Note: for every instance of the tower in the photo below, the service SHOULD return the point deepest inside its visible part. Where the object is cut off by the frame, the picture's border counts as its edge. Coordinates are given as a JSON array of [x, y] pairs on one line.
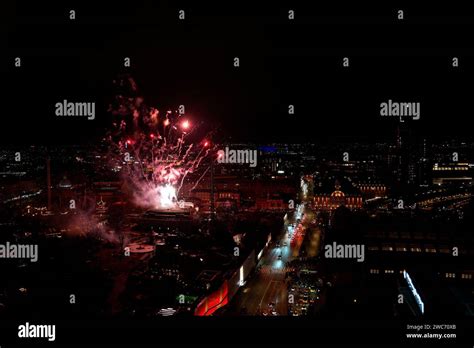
[[48, 181]]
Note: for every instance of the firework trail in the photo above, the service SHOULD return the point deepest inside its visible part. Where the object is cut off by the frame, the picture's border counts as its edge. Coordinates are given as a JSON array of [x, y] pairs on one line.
[[152, 148]]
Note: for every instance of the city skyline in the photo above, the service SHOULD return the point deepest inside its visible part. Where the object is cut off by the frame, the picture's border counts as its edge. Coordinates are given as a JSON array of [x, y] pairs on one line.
[[275, 173]]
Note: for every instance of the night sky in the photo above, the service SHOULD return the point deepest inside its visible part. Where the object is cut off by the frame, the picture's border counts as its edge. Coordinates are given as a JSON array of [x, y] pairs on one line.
[[282, 62]]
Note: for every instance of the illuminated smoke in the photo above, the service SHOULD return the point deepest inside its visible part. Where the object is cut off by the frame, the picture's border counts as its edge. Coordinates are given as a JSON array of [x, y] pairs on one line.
[[167, 196], [86, 224]]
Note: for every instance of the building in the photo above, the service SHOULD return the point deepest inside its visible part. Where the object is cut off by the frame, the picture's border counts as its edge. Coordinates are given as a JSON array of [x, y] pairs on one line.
[[452, 173], [351, 199]]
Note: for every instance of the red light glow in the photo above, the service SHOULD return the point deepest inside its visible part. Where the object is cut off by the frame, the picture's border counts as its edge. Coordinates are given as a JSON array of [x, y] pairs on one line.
[[185, 124]]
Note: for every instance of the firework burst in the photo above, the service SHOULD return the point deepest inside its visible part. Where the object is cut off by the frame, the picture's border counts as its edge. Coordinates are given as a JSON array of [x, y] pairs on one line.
[[153, 148]]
